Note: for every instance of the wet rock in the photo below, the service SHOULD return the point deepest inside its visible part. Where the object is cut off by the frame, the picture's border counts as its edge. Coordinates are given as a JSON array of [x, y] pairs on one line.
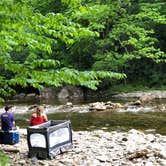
[[98, 106], [137, 103], [118, 105], [102, 106], [146, 98], [69, 104], [32, 107]]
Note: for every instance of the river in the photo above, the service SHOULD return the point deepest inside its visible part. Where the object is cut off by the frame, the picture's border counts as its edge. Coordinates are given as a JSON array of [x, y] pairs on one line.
[[109, 121]]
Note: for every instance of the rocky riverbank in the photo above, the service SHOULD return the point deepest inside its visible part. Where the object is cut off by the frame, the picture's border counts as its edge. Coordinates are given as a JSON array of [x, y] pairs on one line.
[[152, 101], [156, 94], [134, 106], [98, 148]]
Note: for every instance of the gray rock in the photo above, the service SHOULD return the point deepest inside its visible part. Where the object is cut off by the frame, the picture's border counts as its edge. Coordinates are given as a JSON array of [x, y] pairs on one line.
[[98, 148]]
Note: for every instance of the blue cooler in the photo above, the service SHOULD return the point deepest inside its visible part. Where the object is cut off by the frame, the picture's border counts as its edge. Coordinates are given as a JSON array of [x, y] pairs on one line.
[[9, 137]]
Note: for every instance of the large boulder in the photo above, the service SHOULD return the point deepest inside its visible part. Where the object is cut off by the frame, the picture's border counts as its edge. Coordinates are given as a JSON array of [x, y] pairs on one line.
[[71, 92], [47, 93]]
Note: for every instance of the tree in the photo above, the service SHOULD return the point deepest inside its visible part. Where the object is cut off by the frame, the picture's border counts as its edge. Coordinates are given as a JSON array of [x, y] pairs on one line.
[[27, 38], [127, 33]]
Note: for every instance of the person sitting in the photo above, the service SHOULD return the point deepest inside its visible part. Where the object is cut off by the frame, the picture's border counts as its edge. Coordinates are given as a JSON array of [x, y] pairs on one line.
[[39, 117], [7, 119]]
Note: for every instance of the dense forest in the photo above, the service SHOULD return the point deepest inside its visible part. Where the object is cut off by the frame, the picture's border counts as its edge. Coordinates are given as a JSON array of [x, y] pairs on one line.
[[88, 43]]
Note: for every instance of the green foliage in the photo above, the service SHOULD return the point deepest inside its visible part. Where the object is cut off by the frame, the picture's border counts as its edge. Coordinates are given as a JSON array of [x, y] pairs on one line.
[[95, 17], [148, 73], [48, 43], [127, 32], [27, 41], [72, 3], [124, 35], [4, 159]]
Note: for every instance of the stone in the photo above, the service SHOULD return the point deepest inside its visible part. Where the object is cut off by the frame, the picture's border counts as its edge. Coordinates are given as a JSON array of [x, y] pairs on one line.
[[23, 162], [146, 98], [150, 131], [98, 148]]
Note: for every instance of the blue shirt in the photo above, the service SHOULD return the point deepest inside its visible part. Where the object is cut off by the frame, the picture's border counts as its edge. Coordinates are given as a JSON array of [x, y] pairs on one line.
[[7, 121]]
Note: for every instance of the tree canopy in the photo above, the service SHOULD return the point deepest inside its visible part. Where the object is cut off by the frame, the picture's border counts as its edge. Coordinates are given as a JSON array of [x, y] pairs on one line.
[[52, 43]]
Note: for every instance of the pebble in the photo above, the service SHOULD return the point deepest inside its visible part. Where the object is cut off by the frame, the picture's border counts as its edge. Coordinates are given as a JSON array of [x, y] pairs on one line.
[[100, 148]]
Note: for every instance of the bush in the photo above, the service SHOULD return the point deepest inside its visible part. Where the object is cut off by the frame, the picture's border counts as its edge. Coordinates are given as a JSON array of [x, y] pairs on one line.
[[4, 159]]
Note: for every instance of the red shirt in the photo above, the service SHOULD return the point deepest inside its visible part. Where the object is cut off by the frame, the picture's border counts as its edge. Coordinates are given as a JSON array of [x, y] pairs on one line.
[[37, 120]]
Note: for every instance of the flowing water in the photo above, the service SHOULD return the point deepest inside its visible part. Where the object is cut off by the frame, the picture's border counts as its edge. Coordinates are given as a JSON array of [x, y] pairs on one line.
[[108, 120], [121, 121]]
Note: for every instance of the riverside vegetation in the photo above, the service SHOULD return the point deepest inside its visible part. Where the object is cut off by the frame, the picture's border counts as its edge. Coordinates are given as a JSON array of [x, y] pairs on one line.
[[92, 44]]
